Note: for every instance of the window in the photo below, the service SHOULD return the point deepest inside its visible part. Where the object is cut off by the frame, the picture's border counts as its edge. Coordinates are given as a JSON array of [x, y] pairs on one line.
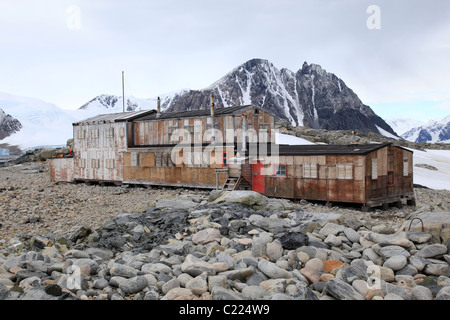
[[405, 167], [81, 134], [110, 163], [310, 170], [225, 160], [110, 132], [94, 134], [374, 169], [95, 163], [135, 159], [390, 178], [344, 171], [82, 163], [280, 170]]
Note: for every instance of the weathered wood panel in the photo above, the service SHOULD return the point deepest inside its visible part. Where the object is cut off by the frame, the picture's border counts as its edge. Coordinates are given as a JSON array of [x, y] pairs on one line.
[[61, 169]]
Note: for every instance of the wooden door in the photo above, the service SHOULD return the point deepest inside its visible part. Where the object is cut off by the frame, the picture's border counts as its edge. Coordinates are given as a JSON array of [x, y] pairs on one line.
[[258, 177]]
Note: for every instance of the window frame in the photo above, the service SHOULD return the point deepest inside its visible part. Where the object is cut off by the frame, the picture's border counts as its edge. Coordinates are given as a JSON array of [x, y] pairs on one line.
[[279, 166], [225, 159]]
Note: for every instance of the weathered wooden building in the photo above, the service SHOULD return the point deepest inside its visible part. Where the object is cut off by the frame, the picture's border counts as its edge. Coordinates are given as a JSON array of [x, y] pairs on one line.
[[371, 175], [232, 148]]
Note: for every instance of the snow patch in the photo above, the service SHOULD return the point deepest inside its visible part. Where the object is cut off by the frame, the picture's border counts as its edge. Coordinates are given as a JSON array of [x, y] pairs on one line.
[[439, 159], [387, 134], [281, 138]]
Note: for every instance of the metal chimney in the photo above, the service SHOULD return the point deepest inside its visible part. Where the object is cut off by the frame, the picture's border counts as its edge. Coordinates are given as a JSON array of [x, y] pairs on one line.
[[213, 113], [158, 107]]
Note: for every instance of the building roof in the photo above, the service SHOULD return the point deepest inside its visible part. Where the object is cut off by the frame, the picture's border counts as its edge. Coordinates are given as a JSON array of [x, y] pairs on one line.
[[322, 149], [195, 113], [115, 117], [314, 150]]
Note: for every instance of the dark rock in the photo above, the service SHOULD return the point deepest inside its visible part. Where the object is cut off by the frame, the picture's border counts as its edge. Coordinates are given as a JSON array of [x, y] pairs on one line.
[[54, 290], [342, 291], [294, 240]]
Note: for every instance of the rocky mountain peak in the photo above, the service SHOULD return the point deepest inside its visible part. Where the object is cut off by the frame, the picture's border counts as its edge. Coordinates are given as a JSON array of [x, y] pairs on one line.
[[8, 125], [310, 97]]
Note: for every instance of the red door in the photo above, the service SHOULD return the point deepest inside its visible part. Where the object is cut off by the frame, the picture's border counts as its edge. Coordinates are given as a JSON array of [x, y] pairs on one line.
[[258, 177]]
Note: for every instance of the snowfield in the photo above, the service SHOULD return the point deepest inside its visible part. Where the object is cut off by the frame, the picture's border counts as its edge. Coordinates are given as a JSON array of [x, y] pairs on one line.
[[439, 159]]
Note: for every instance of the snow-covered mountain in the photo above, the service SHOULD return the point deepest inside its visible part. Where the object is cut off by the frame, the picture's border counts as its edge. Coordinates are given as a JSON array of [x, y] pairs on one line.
[[106, 103], [403, 125], [309, 97], [433, 131], [42, 123], [8, 125]]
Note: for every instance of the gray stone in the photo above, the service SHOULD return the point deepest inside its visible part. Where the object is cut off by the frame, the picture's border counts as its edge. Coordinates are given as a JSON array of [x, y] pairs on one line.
[[259, 245], [418, 237], [272, 270], [238, 274], [431, 251], [133, 285], [396, 262], [122, 270], [443, 294], [418, 262], [115, 281], [438, 269], [4, 293], [281, 297], [217, 281], [315, 264], [100, 283], [37, 294], [396, 239], [392, 296], [390, 251], [305, 293], [332, 241], [274, 225], [422, 293], [225, 257], [404, 293], [198, 285], [370, 254], [220, 293], [256, 293], [342, 291], [206, 236], [156, 268], [357, 270], [246, 198], [331, 228], [352, 235], [274, 251], [169, 285], [195, 266], [274, 285]]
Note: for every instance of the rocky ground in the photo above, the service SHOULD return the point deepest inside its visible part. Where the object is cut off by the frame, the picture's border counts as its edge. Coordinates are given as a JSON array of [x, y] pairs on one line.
[[77, 241]]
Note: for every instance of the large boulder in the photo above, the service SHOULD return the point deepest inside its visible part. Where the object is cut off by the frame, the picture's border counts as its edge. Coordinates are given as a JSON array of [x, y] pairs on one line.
[[245, 197]]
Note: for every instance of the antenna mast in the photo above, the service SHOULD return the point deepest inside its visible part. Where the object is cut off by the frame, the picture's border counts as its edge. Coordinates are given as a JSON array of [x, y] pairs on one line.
[[123, 91]]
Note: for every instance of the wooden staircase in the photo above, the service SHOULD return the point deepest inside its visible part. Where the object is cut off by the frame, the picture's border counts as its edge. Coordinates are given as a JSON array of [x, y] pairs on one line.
[[231, 183]]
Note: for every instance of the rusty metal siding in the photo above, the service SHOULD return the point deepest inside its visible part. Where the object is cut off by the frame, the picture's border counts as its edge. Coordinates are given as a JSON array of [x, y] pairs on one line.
[[98, 150], [159, 131]]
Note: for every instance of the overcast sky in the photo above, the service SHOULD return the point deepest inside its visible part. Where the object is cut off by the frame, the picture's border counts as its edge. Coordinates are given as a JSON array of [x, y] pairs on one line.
[[397, 59]]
